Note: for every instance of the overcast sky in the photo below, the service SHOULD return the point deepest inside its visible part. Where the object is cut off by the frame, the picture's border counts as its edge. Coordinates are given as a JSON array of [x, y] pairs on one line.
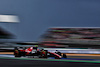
[[36, 16]]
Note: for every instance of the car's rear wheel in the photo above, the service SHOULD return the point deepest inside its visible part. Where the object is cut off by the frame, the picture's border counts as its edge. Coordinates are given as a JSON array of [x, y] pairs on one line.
[[17, 53]]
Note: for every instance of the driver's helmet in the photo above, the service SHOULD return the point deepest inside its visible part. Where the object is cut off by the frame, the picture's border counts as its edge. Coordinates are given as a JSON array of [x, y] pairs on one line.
[[57, 51], [36, 45]]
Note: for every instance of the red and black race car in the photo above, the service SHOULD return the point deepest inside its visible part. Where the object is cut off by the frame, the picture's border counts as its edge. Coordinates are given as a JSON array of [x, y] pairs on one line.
[[35, 51]]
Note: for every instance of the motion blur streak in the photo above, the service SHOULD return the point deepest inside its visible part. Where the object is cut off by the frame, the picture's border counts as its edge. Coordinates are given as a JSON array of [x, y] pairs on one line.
[[9, 18]]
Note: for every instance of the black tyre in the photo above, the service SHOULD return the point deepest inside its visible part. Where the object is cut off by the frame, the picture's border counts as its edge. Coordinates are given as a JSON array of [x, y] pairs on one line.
[[64, 56], [46, 54], [17, 53]]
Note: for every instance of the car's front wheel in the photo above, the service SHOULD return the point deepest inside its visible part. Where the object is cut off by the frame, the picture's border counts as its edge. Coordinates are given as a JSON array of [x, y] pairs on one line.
[[64, 56]]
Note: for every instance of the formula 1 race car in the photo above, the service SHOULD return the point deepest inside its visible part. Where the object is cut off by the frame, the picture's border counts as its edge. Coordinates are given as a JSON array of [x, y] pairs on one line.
[[35, 51]]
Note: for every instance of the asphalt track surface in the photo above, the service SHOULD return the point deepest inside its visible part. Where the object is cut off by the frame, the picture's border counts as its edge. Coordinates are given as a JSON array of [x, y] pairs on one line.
[[42, 63], [10, 61], [73, 60]]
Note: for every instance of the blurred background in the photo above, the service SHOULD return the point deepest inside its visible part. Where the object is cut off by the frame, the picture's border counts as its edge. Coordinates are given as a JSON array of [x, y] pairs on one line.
[[36, 16]]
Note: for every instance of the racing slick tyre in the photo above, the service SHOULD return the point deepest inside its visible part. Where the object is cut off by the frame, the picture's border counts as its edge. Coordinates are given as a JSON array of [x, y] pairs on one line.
[[64, 56], [17, 53], [45, 54]]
